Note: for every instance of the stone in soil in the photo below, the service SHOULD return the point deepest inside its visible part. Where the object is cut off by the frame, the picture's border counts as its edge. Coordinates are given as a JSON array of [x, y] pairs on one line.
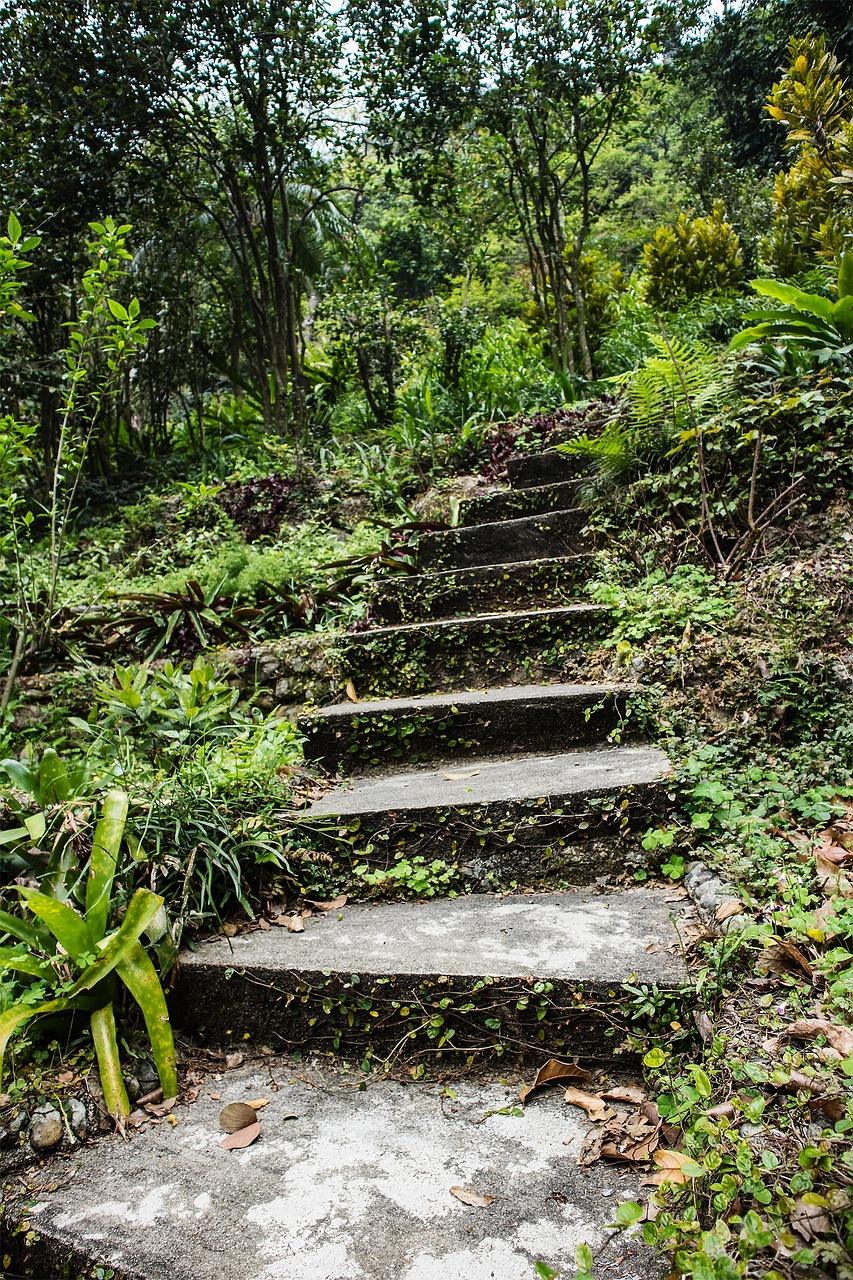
[[349, 1180]]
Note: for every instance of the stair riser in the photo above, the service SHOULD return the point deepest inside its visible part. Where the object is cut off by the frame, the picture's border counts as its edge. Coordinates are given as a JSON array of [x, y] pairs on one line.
[[487, 588], [555, 842], [361, 741], [534, 469], [407, 1019], [532, 538], [499, 651], [519, 502]]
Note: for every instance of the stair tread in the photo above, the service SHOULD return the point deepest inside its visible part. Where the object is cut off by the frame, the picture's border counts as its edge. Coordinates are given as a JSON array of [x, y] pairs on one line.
[[489, 779], [343, 1182], [481, 570], [437, 624], [576, 935], [470, 697]]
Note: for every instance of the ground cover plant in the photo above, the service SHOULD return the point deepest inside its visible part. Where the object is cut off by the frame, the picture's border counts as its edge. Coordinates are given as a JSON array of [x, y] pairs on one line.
[[254, 346]]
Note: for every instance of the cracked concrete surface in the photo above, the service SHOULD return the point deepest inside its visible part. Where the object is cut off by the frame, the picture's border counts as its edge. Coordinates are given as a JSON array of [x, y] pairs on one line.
[[348, 1181]]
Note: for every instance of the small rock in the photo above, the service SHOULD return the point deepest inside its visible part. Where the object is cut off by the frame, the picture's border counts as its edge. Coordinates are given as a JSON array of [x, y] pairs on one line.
[[77, 1118], [132, 1085], [46, 1128], [8, 1139], [737, 924], [146, 1074]]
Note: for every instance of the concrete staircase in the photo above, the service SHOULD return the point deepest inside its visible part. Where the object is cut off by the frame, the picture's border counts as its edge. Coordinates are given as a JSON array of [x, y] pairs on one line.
[[454, 756], [480, 757]]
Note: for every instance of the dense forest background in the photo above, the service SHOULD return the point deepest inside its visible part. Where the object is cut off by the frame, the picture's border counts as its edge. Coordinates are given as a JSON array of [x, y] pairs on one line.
[[412, 217]]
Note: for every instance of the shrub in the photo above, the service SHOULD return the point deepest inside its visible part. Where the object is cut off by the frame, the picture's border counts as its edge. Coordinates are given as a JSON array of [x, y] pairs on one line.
[[692, 256]]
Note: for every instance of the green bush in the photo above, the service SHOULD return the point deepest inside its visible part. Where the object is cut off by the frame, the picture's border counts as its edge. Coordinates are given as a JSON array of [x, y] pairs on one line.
[[692, 256]]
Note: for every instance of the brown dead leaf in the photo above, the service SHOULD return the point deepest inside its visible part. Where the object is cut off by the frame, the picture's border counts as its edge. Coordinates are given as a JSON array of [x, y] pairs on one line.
[[334, 905], [160, 1108], [626, 1093], [590, 1103], [809, 1220], [235, 1116], [293, 924], [461, 777], [783, 958], [840, 1038], [721, 1110], [232, 1060], [473, 1198], [229, 929], [264, 924], [832, 879], [351, 693], [242, 1138], [555, 1072], [65, 1077], [257, 1103], [669, 1169], [630, 1137], [704, 1026], [731, 907]]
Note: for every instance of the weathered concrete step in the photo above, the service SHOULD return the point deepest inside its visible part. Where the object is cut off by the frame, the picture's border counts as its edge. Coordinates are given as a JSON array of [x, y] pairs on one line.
[[532, 821], [460, 968], [454, 592], [529, 470], [510, 504], [486, 780], [534, 646], [353, 737], [537, 537], [342, 1182]]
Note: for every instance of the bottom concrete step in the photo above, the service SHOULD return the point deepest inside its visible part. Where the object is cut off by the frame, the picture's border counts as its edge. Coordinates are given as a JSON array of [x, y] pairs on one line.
[[344, 1182], [476, 975]]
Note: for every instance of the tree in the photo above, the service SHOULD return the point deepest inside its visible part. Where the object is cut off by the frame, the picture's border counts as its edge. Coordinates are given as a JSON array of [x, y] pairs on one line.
[[547, 83], [252, 118]]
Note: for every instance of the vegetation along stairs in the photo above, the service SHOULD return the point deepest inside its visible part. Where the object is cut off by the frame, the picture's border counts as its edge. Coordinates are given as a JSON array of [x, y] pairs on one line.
[[478, 770]]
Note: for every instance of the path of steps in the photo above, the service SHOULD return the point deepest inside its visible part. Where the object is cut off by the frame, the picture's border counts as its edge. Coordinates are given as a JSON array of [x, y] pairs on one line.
[[476, 743]]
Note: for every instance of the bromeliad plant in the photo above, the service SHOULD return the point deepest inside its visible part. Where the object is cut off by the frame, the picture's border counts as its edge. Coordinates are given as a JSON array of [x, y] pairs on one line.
[[76, 957]]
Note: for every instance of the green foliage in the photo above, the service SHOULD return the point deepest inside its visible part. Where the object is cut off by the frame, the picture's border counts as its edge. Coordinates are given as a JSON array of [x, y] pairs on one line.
[[690, 257], [76, 948], [414, 877], [811, 324]]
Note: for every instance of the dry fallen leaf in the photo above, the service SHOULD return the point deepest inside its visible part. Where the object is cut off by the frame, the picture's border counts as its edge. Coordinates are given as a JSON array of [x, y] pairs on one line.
[[630, 1137], [840, 1038], [351, 693], [257, 1103], [232, 1060], [461, 777], [472, 1197], [626, 1093], [731, 907], [590, 1103], [809, 1220], [783, 958], [235, 1116], [669, 1168], [242, 1138], [229, 929], [704, 1026], [160, 1108], [554, 1072], [293, 924], [334, 905]]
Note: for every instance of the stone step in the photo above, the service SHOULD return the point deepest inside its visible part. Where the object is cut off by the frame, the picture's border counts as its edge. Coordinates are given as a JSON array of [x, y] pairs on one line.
[[567, 818], [510, 504], [537, 537], [455, 592], [533, 646], [345, 1180], [529, 470], [475, 974], [352, 737]]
